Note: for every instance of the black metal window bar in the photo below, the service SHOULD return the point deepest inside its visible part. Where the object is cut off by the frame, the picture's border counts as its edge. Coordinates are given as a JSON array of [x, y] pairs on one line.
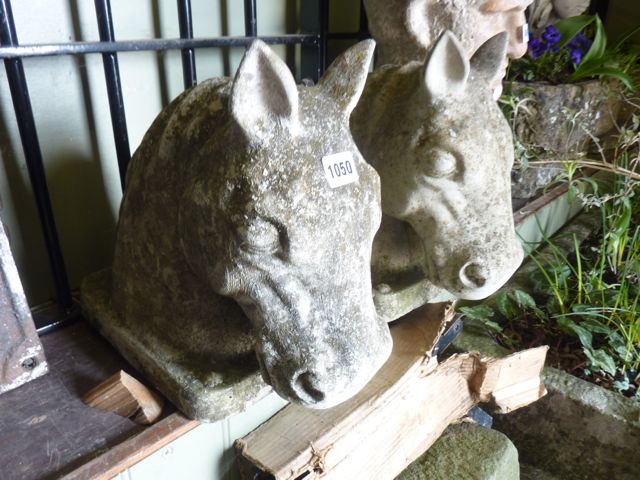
[[12, 53]]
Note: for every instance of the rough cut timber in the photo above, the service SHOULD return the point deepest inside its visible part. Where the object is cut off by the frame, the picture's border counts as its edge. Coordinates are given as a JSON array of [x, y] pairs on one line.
[[21, 355], [398, 415], [126, 396]]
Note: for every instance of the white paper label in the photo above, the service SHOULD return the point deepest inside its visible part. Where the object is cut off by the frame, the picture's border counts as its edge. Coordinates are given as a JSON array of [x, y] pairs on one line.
[[524, 33], [340, 169]]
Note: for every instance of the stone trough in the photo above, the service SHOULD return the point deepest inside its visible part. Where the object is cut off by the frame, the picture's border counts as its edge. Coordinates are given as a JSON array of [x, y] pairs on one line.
[[578, 430]]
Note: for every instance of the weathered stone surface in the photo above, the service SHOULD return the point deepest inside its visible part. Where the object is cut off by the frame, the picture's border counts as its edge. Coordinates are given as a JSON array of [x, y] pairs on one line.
[[406, 30], [21, 355], [467, 451], [444, 153], [201, 387], [527, 472], [559, 122], [235, 238], [578, 431], [547, 12], [525, 183], [561, 118]]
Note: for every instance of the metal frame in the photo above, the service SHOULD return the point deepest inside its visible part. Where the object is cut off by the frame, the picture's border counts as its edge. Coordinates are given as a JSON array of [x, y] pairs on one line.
[[12, 53]]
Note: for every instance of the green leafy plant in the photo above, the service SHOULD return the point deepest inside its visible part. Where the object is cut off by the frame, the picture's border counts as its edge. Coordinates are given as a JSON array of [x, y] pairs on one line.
[[585, 304], [575, 49]]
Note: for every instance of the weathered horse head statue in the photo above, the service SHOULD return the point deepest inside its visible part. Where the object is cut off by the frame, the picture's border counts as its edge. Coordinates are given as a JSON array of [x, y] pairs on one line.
[[252, 193], [444, 153], [407, 30]]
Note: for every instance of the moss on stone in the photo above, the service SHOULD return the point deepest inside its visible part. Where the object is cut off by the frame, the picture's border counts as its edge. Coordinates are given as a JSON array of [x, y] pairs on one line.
[[467, 451]]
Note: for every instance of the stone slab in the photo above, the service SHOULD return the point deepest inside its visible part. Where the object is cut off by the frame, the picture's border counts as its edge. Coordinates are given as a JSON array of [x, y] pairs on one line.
[[204, 392], [467, 451]]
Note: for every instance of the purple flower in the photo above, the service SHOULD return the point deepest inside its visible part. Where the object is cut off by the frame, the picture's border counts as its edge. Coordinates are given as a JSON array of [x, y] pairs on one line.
[[576, 56], [537, 48], [551, 35], [583, 42], [578, 46]]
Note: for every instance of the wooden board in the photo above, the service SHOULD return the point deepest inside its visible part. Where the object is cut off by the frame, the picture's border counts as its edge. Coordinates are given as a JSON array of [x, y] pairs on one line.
[[137, 448], [397, 416], [126, 396], [46, 430], [21, 355]]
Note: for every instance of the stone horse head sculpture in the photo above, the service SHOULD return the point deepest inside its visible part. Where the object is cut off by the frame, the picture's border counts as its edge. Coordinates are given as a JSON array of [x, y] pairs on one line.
[[247, 225], [444, 153], [407, 30]]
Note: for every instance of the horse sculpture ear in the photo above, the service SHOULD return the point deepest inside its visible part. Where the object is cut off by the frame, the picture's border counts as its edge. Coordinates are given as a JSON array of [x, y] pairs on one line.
[[345, 78], [490, 59], [446, 69], [264, 95]]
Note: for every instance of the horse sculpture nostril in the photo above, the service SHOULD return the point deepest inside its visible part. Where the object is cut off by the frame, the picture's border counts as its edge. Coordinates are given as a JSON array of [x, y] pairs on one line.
[[305, 386], [473, 275]]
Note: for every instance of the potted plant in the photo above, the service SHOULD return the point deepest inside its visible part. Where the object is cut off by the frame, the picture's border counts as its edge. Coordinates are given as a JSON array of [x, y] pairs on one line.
[[563, 94], [580, 295], [583, 297]]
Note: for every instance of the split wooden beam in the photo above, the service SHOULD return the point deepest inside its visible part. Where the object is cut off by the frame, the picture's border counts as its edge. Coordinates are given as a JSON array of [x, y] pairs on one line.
[[124, 395], [397, 416]]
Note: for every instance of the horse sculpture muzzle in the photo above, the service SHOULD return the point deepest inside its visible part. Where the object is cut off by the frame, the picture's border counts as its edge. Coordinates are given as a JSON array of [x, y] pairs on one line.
[[330, 348]]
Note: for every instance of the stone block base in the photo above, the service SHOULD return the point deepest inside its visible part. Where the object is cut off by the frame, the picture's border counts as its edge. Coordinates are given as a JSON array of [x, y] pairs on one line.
[[203, 392]]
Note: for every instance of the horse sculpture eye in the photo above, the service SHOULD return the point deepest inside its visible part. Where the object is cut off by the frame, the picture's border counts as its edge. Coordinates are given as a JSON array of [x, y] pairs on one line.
[[440, 163], [260, 236]]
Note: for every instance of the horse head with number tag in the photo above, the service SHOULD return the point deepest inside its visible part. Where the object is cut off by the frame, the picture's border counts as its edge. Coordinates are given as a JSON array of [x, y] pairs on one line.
[[253, 190], [444, 153]]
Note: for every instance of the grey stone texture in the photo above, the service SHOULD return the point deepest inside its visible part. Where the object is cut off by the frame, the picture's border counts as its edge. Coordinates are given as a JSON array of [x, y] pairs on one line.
[[21, 356], [407, 30], [232, 244], [444, 152], [560, 122], [466, 451], [562, 118], [548, 12], [527, 472], [525, 183], [578, 431]]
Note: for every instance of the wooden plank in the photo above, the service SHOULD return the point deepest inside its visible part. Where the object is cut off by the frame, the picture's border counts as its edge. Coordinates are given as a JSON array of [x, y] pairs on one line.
[[124, 395], [397, 416], [45, 429], [21, 355], [135, 449], [513, 382]]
